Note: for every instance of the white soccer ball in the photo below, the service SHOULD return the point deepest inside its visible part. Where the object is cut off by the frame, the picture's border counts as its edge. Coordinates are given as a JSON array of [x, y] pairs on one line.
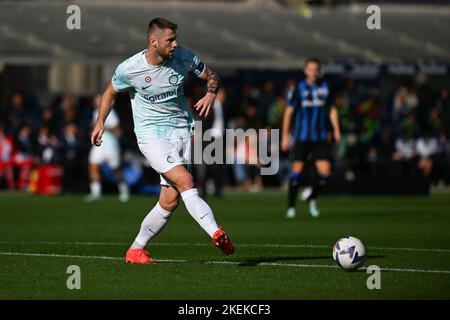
[[349, 253]]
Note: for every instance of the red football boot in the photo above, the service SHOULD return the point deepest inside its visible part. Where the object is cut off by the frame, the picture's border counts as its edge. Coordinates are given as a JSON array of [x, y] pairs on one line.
[[138, 256], [221, 240]]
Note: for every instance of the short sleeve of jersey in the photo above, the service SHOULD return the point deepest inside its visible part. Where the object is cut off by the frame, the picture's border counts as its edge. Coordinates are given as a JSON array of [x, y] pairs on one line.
[[191, 61], [112, 120], [293, 98], [119, 80]]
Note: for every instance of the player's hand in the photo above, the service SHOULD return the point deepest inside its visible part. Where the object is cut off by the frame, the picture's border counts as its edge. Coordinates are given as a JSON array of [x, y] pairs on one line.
[[97, 133], [204, 104], [285, 144], [336, 136]]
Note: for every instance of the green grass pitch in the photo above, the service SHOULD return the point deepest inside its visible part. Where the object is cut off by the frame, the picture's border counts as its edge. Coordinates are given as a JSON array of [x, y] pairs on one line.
[[275, 258]]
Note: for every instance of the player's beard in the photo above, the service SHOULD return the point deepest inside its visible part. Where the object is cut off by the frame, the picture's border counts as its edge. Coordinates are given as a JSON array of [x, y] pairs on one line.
[[170, 55], [166, 55]]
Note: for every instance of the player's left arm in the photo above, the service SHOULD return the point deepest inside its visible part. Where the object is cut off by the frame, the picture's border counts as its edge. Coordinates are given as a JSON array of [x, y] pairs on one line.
[[205, 103], [334, 119]]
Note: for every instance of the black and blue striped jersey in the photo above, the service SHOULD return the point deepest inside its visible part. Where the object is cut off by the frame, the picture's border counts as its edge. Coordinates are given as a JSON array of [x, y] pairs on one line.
[[312, 105]]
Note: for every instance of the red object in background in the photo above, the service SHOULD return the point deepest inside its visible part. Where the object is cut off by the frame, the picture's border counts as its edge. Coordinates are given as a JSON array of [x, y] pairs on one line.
[[49, 179]]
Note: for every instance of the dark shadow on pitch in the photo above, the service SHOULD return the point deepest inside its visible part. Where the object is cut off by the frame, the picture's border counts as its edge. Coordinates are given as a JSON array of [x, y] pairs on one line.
[[256, 261]]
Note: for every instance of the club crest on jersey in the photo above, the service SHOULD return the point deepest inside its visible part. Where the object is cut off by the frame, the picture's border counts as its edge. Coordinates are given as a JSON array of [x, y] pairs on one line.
[[170, 159], [173, 79], [148, 79]]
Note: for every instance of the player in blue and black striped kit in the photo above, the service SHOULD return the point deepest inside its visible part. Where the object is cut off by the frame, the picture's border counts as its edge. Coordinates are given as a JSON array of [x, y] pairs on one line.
[[316, 125]]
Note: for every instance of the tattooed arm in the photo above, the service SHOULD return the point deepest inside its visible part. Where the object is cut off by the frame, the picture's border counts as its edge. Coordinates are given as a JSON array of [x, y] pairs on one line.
[[213, 80], [205, 103]]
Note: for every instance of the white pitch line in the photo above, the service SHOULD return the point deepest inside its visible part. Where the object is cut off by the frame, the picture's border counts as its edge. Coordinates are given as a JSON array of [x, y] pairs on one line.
[[412, 270], [174, 244], [54, 255], [268, 264]]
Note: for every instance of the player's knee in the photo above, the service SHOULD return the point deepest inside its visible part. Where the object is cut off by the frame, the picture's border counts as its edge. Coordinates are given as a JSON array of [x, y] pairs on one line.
[[169, 204], [185, 182]]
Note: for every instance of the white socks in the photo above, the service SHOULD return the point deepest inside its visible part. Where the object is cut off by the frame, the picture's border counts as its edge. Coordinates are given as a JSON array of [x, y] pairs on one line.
[[96, 188], [153, 223], [200, 211], [123, 188], [157, 218]]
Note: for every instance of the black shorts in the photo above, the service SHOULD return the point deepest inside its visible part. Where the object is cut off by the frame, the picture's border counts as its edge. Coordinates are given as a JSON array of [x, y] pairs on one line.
[[306, 150]]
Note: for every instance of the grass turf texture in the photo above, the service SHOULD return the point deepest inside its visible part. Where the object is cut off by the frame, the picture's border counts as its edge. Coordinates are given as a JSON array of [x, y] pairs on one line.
[[67, 226]]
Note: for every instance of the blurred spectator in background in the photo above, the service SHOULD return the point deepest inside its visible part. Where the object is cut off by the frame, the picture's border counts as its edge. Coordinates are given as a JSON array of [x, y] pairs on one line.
[[409, 126], [210, 177], [70, 156], [6, 157], [16, 113], [349, 137], [244, 152], [70, 115], [274, 121], [368, 115], [435, 125], [249, 96], [46, 147], [252, 118], [405, 101], [214, 173], [352, 93], [380, 153], [429, 150], [48, 119], [405, 155], [443, 107], [275, 112], [23, 157], [267, 99]]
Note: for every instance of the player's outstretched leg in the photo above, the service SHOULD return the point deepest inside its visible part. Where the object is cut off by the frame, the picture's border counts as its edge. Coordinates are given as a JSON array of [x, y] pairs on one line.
[[294, 186], [152, 224], [323, 170], [198, 208], [306, 193]]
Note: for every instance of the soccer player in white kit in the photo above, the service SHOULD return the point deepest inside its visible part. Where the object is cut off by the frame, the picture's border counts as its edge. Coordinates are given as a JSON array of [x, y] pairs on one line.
[[163, 126], [108, 153]]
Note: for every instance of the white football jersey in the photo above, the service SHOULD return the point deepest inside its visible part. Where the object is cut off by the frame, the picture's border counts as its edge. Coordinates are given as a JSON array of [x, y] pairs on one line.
[[156, 92]]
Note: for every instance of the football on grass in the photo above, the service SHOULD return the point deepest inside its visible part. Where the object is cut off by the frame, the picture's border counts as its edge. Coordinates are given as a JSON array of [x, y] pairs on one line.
[[349, 253]]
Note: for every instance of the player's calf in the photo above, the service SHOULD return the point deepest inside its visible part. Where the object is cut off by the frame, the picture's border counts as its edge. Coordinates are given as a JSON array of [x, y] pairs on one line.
[[169, 204], [152, 224]]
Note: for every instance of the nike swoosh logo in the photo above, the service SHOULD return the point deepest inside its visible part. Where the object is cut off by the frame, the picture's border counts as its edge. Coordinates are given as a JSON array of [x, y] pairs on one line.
[[143, 88], [203, 216]]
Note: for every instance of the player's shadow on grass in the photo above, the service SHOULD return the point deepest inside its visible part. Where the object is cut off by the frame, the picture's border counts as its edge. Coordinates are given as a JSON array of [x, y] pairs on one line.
[[256, 261]]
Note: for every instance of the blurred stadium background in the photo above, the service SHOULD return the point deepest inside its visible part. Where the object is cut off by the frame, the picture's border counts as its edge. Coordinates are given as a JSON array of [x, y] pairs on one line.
[[391, 87]]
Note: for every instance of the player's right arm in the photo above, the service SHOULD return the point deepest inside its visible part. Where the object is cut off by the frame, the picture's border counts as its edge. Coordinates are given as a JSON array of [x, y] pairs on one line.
[[119, 82], [286, 128], [106, 104], [292, 101]]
